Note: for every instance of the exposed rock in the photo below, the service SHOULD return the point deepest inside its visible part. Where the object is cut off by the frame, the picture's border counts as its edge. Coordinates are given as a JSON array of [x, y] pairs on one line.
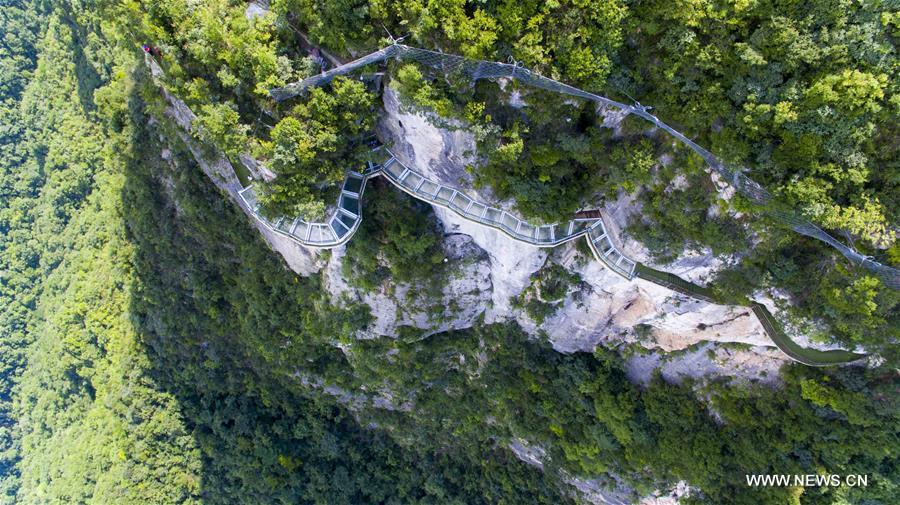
[[464, 297], [759, 364], [606, 309], [302, 260], [694, 266], [515, 99], [511, 262], [594, 492], [532, 454], [798, 331], [612, 117], [609, 490], [672, 497], [256, 8], [440, 154], [257, 170]]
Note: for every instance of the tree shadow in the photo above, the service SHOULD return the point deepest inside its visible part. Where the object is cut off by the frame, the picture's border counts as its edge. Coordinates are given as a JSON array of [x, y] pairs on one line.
[[87, 77]]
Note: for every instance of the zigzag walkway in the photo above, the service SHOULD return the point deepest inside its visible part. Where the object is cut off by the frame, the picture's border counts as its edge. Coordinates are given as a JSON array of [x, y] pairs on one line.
[[343, 222]]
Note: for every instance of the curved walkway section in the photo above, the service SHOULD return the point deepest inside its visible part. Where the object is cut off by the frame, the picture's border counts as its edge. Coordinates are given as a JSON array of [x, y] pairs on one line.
[[336, 230], [805, 355], [548, 235], [345, 219]]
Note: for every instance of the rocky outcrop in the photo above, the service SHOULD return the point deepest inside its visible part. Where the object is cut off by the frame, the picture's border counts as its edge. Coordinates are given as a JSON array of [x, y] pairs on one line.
[[464, 295], [490, 269], [219, 170], [440, 154], [757, 364], [607, 491], [610, 310], [604, 309], [797, 329], [511, 263], [694, 266], [256, 8]]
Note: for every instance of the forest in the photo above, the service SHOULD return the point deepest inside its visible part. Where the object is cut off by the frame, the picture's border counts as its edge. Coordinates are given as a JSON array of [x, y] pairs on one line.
[[815, 124], [154, 350]]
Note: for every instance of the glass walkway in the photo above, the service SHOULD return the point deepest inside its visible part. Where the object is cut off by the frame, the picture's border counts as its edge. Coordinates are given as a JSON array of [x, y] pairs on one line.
[[344, 220], [548, 235], [337, 229]]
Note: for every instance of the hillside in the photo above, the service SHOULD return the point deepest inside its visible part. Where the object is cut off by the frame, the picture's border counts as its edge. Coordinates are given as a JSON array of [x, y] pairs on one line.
[[161, 344]]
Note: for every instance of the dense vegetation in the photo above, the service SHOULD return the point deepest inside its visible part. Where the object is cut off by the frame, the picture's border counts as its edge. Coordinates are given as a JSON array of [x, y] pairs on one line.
[[155, 351], [801, 94], [164, 346], [313, 146], [399, 241], [593, 420]]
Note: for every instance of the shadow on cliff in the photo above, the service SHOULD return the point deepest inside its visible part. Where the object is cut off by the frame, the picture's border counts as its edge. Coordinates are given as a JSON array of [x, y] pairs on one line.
[[227, 327], [231, 332]]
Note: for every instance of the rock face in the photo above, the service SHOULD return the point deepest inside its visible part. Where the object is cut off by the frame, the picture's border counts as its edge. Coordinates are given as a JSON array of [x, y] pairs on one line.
[[489, 268], [604, 309], [608, 309], [440, 154], [511, 263], [609, 491], [759, 364], [697, 267], [302, 260], [464, 296], [798, 331]]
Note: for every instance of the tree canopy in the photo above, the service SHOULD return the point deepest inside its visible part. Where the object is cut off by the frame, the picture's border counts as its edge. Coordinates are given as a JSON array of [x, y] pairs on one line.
[[154, 350]]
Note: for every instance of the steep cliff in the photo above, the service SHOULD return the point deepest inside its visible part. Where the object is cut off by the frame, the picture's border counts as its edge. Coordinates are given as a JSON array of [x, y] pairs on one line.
[[220, 171], [601, 309]]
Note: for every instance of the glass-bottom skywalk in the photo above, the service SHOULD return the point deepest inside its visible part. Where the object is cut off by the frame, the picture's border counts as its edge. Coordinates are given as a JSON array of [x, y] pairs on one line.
[[340, 226], [547, 235], [336, 230]]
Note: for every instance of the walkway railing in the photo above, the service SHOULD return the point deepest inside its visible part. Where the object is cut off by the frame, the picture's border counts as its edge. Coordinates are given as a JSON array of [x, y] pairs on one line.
[[602, 246], [336, 230], [676, 283], [479, 69], [811, 357], [548, 235], [345, 220]]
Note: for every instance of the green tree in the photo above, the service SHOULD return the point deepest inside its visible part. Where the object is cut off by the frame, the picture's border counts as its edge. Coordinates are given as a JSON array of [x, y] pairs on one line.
[[416, 91], [219, 125], [311, 149]]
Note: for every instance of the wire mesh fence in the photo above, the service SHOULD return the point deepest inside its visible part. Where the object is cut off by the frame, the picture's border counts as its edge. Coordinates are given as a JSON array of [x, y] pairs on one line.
[[296, 88], [344, 222], [478, 69]]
